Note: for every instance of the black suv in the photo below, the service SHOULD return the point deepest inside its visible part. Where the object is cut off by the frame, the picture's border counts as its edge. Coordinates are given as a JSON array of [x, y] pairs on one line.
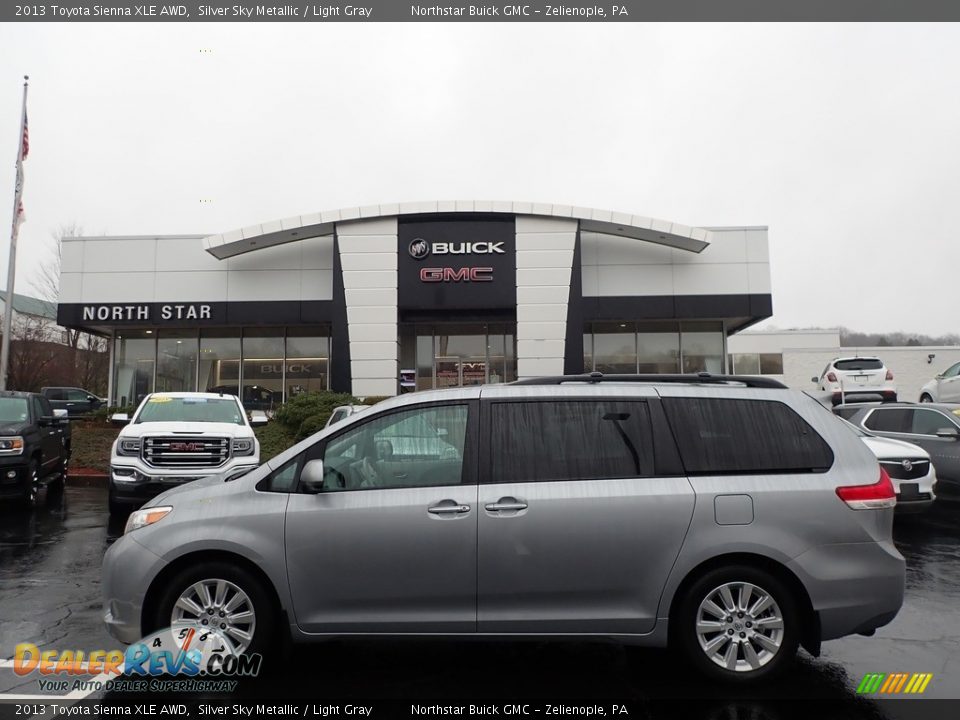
[[34, 446], [76, 401]]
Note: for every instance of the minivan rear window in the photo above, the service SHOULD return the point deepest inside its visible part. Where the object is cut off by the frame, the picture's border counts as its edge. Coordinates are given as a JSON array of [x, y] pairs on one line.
[[725, 435], [859, 364]]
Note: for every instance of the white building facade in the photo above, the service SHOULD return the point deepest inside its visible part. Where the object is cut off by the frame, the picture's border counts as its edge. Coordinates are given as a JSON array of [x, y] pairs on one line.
[[394, 298]]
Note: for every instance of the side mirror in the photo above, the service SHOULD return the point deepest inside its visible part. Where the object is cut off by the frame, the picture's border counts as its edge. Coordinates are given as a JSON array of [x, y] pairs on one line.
[[948, 433], [91, 398], [59, 413], [119, 419], [311, 477]]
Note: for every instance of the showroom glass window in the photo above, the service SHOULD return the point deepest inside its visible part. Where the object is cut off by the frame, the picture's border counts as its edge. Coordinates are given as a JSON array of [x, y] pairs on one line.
[[220, 361], [659, 347], [615, 347], [262, 376], [307, 361], [176, 361], [701, 345], [135, 353], [570, 440], [727, 435], [421, 447]]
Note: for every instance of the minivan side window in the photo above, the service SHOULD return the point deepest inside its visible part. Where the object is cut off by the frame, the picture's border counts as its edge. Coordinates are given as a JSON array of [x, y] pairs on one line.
[[420, 447], [728, 435], [569, 440]]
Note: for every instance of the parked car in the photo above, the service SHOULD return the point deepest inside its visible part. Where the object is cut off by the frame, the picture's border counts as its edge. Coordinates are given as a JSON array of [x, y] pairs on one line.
[[76, 401], [729, 517], [175, 438], [913, 475], [857, 378], [933, 426], [945, 387], [34, 446], [255, 397], [343, 412]]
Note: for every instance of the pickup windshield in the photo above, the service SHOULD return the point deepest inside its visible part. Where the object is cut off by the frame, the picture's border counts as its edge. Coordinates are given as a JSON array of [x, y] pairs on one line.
[[162, 408], [13, 409]]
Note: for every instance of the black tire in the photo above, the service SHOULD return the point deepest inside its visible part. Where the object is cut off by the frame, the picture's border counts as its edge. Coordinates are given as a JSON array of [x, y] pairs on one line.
[[265, 614], [117, 509], [925, 398], [688, 640], [32, 493]]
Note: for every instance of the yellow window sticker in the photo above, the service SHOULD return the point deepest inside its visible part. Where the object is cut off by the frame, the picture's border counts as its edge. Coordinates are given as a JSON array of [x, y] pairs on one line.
[[160, 399]]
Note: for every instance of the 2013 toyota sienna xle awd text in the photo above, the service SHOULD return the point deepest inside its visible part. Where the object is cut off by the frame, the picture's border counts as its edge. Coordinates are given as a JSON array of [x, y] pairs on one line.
[[731, 518]]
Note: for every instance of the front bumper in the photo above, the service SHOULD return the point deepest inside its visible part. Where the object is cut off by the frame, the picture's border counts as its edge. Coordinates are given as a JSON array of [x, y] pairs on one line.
[[853, 587], [14, 474], [128, 570]]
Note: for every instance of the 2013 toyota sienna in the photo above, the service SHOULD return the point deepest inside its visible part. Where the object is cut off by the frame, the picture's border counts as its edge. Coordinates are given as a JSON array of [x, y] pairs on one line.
[[728, 517]]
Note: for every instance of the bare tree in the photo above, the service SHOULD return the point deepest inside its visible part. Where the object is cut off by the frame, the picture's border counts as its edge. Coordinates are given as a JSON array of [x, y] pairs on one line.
[[47, 282]]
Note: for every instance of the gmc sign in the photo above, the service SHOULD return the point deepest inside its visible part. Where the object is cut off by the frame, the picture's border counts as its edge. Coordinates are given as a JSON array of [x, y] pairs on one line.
[[448, 274]]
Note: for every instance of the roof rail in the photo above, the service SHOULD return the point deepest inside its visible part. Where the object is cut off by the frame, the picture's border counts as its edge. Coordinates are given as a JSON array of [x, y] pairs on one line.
[[691, 378]]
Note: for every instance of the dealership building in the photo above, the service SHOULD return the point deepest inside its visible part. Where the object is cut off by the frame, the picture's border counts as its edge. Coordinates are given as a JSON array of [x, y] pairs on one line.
[[394, 298]]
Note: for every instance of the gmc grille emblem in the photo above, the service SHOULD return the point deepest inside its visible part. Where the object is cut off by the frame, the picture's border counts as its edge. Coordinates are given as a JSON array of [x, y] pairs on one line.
[[186, 447]]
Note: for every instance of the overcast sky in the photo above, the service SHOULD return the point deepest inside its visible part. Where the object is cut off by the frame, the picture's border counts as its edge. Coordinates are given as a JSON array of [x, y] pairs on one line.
[[843, 139]]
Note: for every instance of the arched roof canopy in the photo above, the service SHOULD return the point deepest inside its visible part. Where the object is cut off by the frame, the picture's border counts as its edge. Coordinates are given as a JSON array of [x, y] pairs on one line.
[[278, 232]]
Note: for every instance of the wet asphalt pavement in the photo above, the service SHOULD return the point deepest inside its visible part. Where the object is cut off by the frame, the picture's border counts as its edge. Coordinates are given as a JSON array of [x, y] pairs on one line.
[[50, 596]]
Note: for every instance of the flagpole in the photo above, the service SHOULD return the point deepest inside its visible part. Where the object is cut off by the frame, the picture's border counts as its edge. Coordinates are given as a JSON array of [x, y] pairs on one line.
[[12, 267]]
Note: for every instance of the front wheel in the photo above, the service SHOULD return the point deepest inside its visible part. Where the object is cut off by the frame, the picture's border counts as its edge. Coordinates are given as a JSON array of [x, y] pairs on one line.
[[221, 597], [32, 491], [738, 624]]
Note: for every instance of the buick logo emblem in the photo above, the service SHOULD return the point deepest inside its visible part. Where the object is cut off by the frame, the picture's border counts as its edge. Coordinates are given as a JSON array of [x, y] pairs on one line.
[[907, 465], [419, 248]]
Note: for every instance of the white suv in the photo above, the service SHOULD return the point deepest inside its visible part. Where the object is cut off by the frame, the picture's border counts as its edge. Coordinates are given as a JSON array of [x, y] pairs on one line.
[[177, 437], [857, 378]]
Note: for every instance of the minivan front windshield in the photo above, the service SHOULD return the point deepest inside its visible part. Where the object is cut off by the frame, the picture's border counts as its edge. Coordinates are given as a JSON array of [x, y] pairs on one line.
[[163, 408]]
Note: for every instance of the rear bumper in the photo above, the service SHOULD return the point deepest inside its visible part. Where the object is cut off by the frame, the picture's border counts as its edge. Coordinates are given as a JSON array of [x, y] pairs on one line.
[[853, 587]]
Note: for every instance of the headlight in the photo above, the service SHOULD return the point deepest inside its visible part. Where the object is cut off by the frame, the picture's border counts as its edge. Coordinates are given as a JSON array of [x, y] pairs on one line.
[[243, 446], [146, 516], [11, 445], [128, 446]]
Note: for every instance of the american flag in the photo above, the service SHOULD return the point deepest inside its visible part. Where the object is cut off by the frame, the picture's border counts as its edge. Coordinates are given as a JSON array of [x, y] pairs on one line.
[[26, 138]]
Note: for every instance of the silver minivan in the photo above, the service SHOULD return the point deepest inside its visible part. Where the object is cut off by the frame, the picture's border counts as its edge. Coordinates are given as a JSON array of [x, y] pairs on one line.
[[728, 517]]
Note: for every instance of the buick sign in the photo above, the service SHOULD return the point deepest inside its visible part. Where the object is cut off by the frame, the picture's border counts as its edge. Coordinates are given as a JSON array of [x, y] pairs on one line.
[[419, 248]]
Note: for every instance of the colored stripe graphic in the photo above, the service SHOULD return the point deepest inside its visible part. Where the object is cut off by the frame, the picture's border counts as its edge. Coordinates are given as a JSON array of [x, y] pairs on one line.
[[894, 683]]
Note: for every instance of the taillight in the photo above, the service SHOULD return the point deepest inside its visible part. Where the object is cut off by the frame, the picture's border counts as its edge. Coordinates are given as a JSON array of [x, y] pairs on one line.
[[869, 497], [889, 375], [831, 377]]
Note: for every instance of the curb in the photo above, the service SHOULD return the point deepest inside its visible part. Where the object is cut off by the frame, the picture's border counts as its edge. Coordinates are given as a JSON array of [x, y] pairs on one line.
[[86, 478]]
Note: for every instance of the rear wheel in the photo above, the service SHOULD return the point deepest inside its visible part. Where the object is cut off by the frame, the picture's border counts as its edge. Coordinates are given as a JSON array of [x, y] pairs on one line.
[[738, 624]]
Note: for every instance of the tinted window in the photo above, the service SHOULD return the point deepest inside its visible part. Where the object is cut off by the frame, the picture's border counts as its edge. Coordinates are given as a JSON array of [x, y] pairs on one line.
[[720, 435], [859, 364], [952, 371], [927, 422], [890, 420], [77, 395], [574, 440], [414, 448], [56, 394]]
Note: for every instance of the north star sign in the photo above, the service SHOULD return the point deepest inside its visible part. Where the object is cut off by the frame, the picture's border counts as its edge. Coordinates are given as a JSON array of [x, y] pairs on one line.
[[142, 312]]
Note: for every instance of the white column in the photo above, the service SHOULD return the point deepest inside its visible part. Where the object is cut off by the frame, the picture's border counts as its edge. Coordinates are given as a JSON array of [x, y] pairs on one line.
[[368, 260], [544, 260]]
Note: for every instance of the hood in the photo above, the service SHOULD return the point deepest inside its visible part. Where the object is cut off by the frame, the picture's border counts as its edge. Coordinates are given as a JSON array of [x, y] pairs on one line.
[[889, 449], [208, 487], [195, 428], [13, 428]]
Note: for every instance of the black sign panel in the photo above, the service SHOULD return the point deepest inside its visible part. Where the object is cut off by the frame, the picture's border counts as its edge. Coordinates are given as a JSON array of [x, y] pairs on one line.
[[450, 264]]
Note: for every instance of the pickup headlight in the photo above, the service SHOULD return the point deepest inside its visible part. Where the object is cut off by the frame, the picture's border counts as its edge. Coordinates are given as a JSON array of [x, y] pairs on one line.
[[146, 516], [128, 446], [243, 446], [11, 445]]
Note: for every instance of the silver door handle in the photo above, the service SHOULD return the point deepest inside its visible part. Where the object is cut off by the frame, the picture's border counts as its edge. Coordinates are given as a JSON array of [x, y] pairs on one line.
[[448, 509], [499, 506]]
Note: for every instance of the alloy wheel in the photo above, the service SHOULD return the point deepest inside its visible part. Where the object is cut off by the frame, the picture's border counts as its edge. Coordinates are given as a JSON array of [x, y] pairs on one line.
[[739, 626], [218, 605]]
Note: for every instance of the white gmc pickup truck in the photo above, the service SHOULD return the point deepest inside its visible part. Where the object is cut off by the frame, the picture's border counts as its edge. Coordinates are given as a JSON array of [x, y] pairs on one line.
[[177, 437]]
